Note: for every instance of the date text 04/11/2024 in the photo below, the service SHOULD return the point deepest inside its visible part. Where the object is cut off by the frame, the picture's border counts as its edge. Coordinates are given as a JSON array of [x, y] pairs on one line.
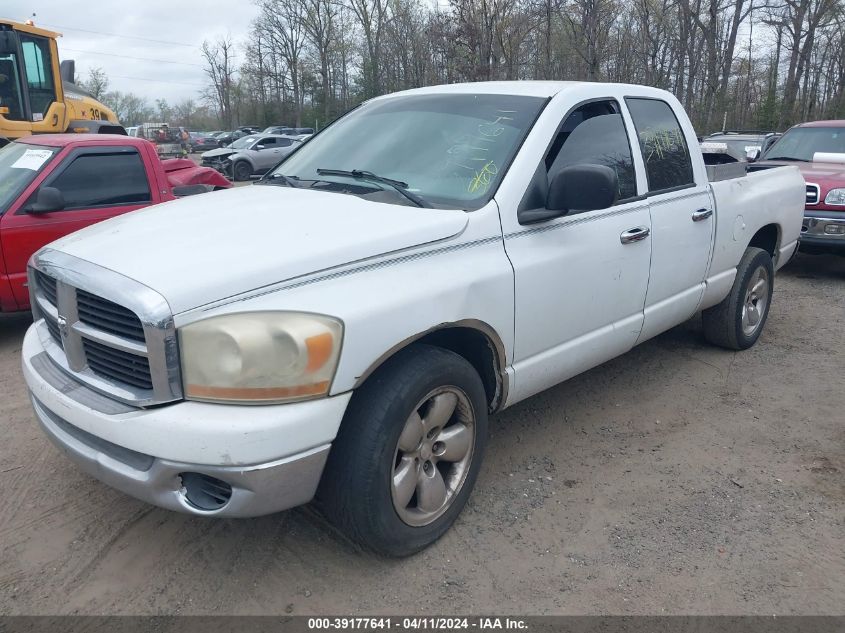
[[416, 624]]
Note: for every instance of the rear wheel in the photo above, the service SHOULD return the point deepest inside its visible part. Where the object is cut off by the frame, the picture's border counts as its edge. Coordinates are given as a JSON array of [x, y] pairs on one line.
[[737, 322], [408, 452]]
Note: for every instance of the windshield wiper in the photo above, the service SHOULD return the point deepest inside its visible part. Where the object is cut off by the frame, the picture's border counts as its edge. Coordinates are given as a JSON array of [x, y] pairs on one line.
[[800, 160], [398, 185]]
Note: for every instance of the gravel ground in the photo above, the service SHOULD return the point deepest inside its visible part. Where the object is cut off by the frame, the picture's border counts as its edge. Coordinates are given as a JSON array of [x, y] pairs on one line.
[[678, 478]]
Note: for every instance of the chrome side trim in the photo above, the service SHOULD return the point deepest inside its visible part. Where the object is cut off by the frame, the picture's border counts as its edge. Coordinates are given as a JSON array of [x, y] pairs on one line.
[[160, 347]]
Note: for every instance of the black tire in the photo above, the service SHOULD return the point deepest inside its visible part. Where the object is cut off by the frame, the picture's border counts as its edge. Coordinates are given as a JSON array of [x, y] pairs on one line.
[[723, 323], [241, 171], [356, 492]]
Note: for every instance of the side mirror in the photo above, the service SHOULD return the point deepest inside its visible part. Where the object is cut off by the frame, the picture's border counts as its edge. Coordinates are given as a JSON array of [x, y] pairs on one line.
[[67, 70], [752, 154], [584, 187], [47, 199], [259, 147]]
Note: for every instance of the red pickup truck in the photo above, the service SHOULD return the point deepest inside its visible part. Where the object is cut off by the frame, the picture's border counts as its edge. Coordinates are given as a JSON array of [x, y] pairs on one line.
[[818, 150], [52, 185]]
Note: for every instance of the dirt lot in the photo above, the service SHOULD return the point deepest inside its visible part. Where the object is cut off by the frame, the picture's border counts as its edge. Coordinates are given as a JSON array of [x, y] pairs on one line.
[[677, 479]]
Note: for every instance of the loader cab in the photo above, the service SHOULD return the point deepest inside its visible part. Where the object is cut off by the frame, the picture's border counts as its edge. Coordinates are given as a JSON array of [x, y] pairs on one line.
[[31, 94]]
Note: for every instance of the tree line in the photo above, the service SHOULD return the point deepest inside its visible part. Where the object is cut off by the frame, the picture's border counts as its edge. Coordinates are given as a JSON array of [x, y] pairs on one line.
[[743, 63]]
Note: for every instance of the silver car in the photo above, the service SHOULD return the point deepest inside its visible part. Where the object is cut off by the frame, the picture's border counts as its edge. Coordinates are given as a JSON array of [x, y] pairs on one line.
[[253, 154]]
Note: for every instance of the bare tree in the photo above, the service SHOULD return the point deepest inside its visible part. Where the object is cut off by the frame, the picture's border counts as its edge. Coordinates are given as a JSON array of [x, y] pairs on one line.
[[220, 69]]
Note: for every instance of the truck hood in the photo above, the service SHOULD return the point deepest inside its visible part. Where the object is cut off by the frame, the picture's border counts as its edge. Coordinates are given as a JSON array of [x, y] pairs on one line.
[[220, 152], [830, 174], [204, 248]]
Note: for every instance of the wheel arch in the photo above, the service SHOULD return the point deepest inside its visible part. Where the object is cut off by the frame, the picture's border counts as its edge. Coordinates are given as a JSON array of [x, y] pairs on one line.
[[768, 238], [475, 341]]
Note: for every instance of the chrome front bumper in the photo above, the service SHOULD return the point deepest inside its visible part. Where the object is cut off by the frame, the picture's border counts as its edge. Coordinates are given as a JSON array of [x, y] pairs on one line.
[[254, 490], [816, 228]]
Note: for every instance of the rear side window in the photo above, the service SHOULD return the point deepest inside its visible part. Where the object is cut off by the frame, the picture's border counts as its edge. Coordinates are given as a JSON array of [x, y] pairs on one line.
[[664, 147], [93, 180]]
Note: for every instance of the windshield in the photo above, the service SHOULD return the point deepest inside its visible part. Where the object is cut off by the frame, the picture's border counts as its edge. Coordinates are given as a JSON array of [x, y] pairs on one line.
[[800, 143], [19, 165], [450, 149], [243, 142]]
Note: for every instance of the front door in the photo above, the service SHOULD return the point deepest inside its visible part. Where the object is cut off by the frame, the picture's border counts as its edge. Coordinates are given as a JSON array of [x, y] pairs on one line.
[[46, 109], [269, 155], [682, 218], [580, 280], [95, 185]]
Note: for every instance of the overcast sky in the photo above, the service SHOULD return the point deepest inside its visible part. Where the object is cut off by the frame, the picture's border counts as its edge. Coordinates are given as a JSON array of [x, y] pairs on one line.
[[178, 26]]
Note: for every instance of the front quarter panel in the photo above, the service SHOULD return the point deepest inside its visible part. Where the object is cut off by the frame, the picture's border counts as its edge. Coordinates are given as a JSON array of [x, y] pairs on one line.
[[387, 301]]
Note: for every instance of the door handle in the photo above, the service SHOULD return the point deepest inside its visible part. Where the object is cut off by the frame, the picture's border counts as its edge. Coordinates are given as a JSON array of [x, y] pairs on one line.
[[637, 234], [701, 214]]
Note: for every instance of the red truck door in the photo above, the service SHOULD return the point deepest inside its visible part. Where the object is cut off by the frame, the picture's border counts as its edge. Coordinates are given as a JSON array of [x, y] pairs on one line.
[[95, 183]]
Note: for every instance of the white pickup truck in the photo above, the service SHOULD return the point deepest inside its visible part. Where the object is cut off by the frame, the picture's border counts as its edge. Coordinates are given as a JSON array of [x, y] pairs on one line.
[[344, 327]]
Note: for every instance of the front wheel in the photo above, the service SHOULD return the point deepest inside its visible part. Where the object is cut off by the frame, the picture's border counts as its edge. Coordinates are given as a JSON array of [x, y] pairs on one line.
[[408, 452], [242, 170], [737, 322]]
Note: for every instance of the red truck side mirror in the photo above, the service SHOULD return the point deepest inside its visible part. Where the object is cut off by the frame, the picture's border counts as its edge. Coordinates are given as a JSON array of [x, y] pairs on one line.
[[47, 199]]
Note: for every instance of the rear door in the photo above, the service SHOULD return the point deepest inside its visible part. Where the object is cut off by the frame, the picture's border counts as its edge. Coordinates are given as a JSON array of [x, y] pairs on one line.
[[682, 219], [96, 183]]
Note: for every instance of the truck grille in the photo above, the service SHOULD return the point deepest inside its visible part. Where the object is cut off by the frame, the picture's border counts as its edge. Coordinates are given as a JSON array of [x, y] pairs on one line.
[[812, 194], [125, 348], [47, 286], [108, 316], [118, 365]]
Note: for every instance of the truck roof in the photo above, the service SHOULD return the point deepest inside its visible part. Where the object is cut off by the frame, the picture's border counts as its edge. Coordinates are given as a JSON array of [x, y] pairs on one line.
[[532, 88], [830, 123], [60, 140], [30, 28]]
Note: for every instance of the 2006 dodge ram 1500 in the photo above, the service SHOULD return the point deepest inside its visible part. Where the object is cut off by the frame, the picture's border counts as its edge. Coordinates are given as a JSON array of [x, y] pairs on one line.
[[433, 256]]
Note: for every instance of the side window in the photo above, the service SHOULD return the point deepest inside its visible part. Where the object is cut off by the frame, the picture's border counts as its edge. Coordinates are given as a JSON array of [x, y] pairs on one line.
[[664, 147], [267, 142], [283, 142], [595, 133], [93, 180], [11, 103], [39, 73]]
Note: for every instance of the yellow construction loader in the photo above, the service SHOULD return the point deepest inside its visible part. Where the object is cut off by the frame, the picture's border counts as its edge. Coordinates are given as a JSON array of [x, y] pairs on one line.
[[37, 94]]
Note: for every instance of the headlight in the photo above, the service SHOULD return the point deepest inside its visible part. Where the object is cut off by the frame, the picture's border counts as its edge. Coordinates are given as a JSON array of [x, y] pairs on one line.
[[836, 197], [259, 357]]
